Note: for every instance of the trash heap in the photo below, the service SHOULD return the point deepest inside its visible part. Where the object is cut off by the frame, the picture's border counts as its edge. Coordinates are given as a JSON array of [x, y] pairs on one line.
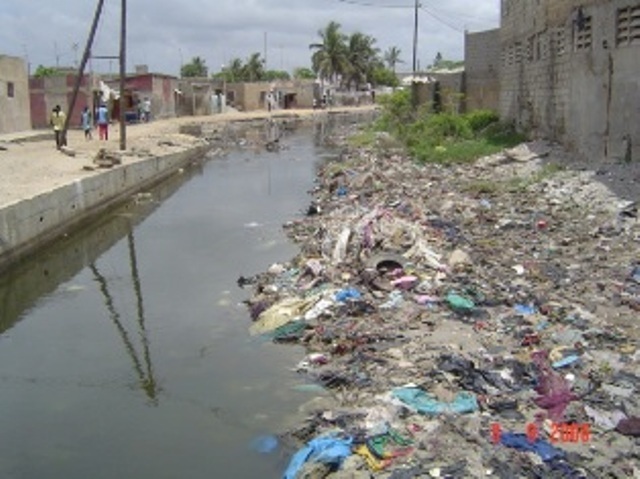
[[469, 321]]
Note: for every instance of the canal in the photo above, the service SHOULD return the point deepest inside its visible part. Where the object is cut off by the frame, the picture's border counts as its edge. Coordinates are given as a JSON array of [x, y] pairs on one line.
[[124, 349]]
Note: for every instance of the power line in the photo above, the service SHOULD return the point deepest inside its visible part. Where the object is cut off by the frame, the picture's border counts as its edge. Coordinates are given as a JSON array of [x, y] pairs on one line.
[[441, 20], [450, 14], [368, 4]]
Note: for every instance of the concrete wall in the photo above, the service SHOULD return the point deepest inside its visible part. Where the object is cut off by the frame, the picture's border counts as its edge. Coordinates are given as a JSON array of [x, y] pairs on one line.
[[482, 69], [46, 93], [159, 88], [14, 95], [251, 96], [30, 223], [579, 86]]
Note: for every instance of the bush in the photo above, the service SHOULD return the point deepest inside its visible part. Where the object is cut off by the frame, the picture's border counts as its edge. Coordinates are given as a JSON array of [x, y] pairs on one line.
[[478, 120], [396, 111]]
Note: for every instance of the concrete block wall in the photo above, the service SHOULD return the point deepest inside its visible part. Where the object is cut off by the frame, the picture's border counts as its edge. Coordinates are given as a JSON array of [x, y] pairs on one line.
[[577, 86], [482, 67], [15, 109], [32, 222]]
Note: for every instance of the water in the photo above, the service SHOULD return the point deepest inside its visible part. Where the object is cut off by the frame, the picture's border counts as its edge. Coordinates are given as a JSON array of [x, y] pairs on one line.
[[124, 349]]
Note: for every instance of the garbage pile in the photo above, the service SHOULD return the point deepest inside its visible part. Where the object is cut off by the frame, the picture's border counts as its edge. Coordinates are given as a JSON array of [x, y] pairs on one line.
[[470, 321]]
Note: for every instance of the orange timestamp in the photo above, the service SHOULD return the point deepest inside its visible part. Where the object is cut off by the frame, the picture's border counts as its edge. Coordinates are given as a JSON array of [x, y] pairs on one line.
[[560, 432]]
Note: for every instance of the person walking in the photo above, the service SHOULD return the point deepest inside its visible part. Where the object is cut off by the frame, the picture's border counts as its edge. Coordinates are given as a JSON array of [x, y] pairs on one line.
[[86, 123], [146, 107], [57, 122], [103, 122]]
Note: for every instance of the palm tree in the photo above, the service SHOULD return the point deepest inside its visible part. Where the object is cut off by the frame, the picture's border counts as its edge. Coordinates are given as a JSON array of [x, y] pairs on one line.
[[254, 68], [330, 57], [392, 57], [363, 58], [235, 70]]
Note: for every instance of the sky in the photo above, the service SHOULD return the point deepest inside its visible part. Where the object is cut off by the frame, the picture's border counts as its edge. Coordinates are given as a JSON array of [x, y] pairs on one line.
[[164, 34]]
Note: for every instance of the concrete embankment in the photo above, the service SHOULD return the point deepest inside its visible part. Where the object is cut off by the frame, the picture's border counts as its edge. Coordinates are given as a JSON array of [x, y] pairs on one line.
[[29, 224]]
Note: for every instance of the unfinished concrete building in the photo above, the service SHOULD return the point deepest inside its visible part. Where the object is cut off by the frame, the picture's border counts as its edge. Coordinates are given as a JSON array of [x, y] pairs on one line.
[[569, 71], [14, 95]]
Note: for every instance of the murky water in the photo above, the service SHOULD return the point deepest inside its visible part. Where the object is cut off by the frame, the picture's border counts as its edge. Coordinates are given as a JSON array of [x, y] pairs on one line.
[[124, 349]]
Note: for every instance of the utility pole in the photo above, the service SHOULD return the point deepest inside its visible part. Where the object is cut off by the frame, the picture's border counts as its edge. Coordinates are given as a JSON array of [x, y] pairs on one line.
[[415, 37], [414, 85], [265, 50], [85, 57], [123, 72]]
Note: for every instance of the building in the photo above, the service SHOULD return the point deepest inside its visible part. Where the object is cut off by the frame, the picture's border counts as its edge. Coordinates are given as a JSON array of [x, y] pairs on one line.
[[569, 71], [160, 89], [482, 68], [14, 95], [281, 95], [47, 92], [200, 96]]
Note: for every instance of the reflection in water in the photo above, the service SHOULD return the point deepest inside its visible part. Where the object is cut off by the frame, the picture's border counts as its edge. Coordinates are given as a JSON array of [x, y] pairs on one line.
[[62, 399], [145, 374]]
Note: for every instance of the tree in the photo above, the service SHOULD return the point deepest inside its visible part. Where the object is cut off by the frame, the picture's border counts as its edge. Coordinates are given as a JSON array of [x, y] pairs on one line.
[[392, 58], [437, 60], [271, 75], [330, 57], [196, 68], [363, 58], [254, 68], [43, 71], [303, 73], [384, 77]]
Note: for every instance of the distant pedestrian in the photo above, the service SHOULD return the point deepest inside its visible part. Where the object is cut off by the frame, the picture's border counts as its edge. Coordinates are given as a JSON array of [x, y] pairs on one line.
[[57, 122], [146, 108], [86, 123], [103, 122]]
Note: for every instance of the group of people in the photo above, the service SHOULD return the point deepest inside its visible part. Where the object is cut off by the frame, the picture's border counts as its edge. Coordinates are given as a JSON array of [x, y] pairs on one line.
[[102, 120]]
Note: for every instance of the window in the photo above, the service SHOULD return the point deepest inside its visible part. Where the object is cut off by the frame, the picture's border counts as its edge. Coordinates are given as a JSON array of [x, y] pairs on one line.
[[10, 89], [582, 33], [628, 26], [558, 41]]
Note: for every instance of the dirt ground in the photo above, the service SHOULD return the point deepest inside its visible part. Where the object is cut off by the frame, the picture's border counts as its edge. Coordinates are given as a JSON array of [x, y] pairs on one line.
[[30, 166]]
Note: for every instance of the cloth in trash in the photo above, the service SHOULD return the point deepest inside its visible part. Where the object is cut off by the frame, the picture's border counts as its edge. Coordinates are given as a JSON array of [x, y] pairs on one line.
[[328, 449], [425, 403], [522, 443]]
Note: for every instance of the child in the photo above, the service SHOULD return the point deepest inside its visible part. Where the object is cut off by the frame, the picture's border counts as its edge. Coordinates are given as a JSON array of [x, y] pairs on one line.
[[86, 123]]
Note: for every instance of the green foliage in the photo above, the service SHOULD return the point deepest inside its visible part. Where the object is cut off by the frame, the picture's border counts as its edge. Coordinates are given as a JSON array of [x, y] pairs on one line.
[[384, 77], [481, 119], [354, 59], [197, 67], [272, 75], [444, 137], [330, 57], [303, 73], [439, 63], [364, 138], [397, 112], [250, 71], [392, 58], [42, 71]]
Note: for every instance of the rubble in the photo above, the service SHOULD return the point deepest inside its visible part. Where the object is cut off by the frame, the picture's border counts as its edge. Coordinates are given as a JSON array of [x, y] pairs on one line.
[[474, 320], [107, 159]]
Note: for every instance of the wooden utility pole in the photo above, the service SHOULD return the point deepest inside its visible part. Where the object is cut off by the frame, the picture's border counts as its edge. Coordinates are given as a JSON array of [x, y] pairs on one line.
[[123, 73], [414, 85], [83, 63]]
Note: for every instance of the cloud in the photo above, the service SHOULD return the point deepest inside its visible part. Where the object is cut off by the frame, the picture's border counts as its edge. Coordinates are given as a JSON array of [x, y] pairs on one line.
[[165, 33]]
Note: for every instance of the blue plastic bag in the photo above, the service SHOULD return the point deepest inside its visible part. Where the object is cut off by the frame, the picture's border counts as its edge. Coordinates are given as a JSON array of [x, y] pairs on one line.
[[324, 449]]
